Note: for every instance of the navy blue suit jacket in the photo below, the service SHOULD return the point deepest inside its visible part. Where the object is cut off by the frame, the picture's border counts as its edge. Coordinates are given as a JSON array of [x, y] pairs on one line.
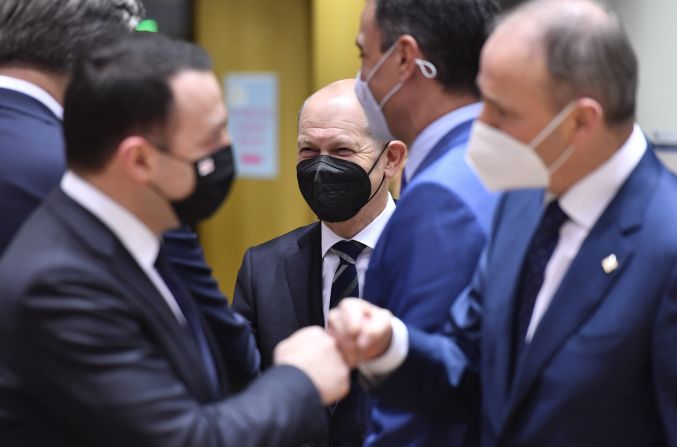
[[425, 257], [601, 368], [279, 290], [33, 161], [33, 158]]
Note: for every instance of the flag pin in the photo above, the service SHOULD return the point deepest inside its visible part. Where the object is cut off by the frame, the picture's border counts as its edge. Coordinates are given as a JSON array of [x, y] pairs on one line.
[[610, 263]]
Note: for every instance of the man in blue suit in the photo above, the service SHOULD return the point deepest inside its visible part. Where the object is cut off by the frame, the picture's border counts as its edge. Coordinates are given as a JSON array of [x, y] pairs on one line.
[[568, 330], [417, 82], [35, 68]]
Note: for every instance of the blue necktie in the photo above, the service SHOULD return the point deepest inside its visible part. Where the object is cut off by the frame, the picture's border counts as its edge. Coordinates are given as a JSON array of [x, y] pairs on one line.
[[345, 279], [185, 302], [541, 248]]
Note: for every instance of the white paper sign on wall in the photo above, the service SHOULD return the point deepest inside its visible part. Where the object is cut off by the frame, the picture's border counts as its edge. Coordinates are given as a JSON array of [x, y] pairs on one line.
[[252, 99]]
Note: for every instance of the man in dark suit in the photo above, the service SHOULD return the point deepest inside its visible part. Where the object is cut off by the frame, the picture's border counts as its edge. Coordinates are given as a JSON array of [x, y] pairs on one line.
[[35, 68], [419, 64], [568, 329], [101, 344], [291, 281]]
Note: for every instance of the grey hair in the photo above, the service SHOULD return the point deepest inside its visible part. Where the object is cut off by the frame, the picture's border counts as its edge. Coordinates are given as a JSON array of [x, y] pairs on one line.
[[53, 34], [588, 55]]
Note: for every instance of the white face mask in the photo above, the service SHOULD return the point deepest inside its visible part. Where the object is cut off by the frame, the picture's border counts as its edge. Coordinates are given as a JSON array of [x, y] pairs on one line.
[[378, 126], [504, 163]]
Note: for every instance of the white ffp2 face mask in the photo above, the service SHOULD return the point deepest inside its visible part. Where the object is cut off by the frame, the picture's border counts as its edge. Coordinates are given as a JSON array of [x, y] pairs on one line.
[[504, 163], [378, 126]]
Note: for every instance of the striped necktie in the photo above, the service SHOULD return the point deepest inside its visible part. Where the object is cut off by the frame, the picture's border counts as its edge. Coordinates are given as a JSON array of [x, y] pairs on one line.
[[345, 279]]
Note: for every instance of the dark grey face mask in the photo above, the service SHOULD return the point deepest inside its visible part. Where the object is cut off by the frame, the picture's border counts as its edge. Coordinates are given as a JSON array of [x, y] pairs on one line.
[[335, 189]]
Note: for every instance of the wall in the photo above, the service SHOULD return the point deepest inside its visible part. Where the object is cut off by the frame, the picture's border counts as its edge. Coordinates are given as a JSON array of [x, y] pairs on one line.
[[651, 27]]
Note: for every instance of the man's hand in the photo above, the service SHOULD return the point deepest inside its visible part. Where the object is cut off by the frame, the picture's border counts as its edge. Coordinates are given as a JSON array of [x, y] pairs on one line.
[[362, 331], [315, 353]]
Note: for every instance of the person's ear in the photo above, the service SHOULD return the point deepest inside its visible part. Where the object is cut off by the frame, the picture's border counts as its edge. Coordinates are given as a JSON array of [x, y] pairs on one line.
[[138, 158], [588, 117], [395, 154], [407, 52]]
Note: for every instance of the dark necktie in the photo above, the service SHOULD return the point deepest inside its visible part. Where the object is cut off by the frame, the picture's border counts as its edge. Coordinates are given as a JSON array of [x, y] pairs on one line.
[[185, 302], [541, 248], [345, 279]]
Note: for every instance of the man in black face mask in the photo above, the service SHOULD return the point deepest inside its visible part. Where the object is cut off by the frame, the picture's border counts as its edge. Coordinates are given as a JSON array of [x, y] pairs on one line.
[[293, 280], [124, 355]]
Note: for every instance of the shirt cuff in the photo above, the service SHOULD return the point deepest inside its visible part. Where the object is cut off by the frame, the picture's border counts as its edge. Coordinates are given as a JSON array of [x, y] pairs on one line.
[[377, 369]]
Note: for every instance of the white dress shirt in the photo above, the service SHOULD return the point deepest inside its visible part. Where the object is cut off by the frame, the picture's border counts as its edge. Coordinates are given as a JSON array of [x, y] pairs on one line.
[[583, 203], [434, 132], [330, 260], [35, 92], [134, 235]]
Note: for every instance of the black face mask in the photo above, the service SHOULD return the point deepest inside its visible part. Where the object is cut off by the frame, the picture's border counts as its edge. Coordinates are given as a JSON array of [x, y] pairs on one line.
[[214, 175], [335, 189]]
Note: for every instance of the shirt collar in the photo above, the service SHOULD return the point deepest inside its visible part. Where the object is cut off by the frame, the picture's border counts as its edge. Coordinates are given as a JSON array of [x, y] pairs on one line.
[[136, 237], [35, 92], [426, 140], [586, 200], [369, 234]]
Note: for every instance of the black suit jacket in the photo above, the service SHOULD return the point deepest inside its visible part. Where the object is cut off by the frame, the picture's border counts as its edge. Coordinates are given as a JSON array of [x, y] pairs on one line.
[[279, 290], [90, 354]]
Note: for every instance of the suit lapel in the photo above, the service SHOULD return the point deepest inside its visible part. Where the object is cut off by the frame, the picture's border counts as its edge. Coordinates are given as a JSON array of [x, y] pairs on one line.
[[181, 351], [523, 213], [303, 269], [612, 234]]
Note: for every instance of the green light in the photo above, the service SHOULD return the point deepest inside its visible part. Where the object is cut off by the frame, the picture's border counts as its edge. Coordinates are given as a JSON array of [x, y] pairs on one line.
[[149, 25]]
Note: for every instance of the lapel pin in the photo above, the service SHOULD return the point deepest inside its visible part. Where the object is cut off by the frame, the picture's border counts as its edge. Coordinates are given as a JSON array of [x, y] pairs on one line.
[[610, 263]]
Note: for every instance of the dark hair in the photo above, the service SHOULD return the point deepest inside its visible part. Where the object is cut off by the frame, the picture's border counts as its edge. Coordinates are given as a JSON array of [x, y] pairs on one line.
[[122, 89], [51, 34], [587, 55], [450, 33]]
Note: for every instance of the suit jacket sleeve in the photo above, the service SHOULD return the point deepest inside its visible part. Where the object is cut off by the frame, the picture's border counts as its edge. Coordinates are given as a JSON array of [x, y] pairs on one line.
[[444, 366], [425, 259], [232, 333], [665, 361], [103, 374]]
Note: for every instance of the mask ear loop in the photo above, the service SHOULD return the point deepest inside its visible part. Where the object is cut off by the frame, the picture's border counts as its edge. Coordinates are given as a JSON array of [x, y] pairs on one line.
[[545, 133], [381, 61], [384, 175], [552, 125], [427, 68]]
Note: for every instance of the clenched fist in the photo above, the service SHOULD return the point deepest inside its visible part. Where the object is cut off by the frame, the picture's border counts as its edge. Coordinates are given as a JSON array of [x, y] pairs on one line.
[[363, 331], [315, 353]]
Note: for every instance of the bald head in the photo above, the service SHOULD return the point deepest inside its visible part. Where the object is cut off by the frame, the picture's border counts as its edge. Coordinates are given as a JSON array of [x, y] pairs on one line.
[[332, 117], [335, 102], [583, 48]]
